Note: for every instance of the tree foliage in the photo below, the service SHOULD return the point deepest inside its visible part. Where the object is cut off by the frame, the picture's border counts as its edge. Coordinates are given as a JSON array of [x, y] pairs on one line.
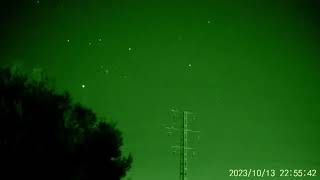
[[43, 135]]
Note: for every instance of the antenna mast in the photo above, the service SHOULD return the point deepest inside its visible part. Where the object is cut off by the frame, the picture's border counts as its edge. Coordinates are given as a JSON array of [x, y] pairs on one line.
[[183, 145]]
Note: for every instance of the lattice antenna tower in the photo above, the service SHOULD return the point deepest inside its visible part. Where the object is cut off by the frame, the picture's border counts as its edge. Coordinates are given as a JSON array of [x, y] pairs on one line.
[[183, 118]]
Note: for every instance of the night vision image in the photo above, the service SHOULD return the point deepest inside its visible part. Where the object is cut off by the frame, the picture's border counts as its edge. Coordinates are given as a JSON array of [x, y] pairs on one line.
[[160, 90]]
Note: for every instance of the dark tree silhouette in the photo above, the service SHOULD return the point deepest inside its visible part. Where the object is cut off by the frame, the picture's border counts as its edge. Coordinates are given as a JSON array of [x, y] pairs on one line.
[[43, 135]]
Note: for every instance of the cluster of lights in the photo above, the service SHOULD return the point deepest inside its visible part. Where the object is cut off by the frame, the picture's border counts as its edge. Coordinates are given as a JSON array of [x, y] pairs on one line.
[[100, 40]]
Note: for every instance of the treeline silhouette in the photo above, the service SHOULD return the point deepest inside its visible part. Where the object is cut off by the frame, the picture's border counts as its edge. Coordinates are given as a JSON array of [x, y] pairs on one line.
[[43, 135]]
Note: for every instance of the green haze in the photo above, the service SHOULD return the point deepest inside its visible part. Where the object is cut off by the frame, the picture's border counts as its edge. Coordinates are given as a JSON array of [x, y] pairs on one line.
[[249, 69]]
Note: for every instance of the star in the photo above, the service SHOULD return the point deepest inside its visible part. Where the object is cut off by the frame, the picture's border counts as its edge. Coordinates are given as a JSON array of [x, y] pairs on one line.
[[68, 40], [90, 43], [129, 49], [209, 22], [83, 86], [38, 2], [99, 39], [189, 65]]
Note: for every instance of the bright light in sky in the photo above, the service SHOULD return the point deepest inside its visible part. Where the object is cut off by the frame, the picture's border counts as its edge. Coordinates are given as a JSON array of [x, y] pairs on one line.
[[83, 86], [129, 49]]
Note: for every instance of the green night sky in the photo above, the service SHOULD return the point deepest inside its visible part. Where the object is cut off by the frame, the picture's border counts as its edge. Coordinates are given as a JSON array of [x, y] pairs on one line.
[[248, 69]]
